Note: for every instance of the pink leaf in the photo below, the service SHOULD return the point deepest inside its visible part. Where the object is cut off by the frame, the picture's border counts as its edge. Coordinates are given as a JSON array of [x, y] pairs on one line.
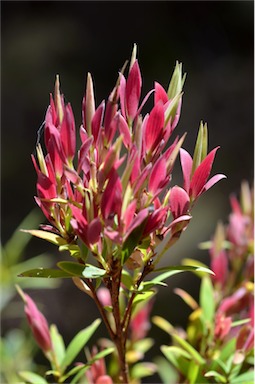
[[158, 176], [124, 130], [94, 231], [133, 90], [179, 202], [112, 197], [201, 174], [154, 127], [186, 163], [213, 180], [97, 120], [160, 94]]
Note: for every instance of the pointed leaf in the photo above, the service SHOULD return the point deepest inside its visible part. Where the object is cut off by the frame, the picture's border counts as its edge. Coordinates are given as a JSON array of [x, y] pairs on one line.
[[91, 272], [200, 150], [80, 374], [58, 344], [72, 268], [101, 354], [207, 300], [49, 236], [78, 342], [45, 273], [245, 378], [133, 239], [220, 378], [32, 378], [192, 351], [201, 174]]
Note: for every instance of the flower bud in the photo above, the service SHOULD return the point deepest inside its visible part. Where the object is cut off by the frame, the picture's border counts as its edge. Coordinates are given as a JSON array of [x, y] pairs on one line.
[[37, 323]]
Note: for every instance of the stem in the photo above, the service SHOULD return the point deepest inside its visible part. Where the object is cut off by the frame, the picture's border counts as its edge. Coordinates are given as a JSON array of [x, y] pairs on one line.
[[101, 309], [119, 339], [127, 317]]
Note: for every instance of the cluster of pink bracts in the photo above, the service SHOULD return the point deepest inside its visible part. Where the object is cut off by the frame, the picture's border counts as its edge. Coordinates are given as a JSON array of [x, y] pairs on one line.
[[119, 179]]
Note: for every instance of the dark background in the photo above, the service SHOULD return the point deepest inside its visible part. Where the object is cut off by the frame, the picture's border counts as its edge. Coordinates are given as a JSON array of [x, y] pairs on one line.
[[213, 40]]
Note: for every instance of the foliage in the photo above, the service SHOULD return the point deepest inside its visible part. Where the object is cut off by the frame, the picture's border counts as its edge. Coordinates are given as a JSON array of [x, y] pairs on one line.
[[111, 205], [219, 340]]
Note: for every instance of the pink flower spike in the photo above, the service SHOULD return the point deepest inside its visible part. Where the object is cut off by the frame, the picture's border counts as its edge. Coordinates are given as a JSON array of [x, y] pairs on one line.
[[186, 164], [133, 90], [179, 201], [201, 174]]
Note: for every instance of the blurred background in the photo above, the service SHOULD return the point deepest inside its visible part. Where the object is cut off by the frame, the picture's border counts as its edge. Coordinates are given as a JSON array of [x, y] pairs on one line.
[[214, 41]]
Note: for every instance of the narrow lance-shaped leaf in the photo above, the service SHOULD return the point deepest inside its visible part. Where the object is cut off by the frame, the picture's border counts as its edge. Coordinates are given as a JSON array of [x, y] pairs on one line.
[[32, 378], [78, 343], [207, 301], [200, 150], [49, 236], [72, 268], [192, 351], [176, 82], [58, 344], [48, 273]]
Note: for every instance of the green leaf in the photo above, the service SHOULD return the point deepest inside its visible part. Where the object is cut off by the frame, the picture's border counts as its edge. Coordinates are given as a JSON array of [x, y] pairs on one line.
[[45, 273], [202, 268], [163, 324], [172, 108], [174, 350], [58, 344], [141, 297], [176, 82], [32, 378], [147, 285], [237, 323], [101, 354], [244, 378], [91, 272], [48, 236], [78, 343], [71, 267], [74, 371], [79, 374], [140, 370], [73, 249], [192, 351], [179, 362], [126, 279], [200, 150], [193, 372], [220, 378], [144, 345], [207, 301], [173, 270], [166, 371]]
